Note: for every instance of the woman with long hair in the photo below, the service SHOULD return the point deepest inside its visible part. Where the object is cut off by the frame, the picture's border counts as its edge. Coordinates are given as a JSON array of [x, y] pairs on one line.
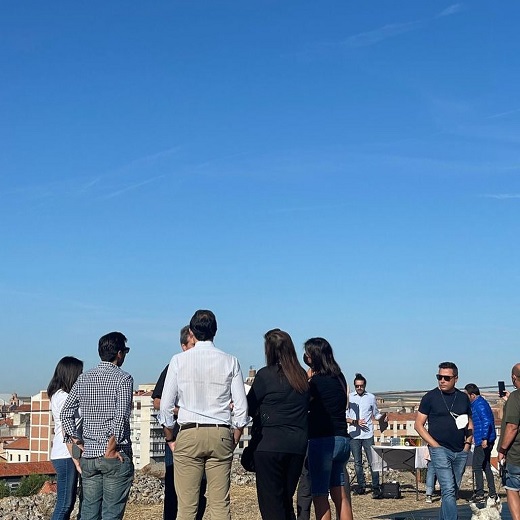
[[329, 443], [67, 371], [279, 397]]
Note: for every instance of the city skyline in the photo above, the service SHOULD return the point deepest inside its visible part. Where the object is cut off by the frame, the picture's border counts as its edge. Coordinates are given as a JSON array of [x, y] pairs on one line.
[[347, 170]]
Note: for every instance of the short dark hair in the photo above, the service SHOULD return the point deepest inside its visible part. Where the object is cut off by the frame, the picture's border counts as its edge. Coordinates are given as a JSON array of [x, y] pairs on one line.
[[110, 344], [360, 377], [448, 365], [203, 324], [472, 388], [185, 334]]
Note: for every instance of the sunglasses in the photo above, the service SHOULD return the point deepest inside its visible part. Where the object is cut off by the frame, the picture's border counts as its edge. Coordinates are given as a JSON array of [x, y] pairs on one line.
[[445, 378]]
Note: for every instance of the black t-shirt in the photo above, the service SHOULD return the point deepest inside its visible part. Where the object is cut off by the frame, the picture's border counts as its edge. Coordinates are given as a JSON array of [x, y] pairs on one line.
[[282, 412], [159, 386], [327, 417], [437, 405]]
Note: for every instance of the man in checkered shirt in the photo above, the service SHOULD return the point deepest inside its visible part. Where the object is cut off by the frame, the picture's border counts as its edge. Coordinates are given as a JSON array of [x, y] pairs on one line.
[[104, 396]]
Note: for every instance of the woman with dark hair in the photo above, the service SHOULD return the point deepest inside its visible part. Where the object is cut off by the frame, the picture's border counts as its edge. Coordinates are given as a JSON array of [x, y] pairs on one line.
[[329, 443], [67, 371], [279, 397]]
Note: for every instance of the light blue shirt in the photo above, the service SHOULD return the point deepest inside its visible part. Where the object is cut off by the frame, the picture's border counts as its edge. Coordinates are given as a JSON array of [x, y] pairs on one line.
[[362, 407]]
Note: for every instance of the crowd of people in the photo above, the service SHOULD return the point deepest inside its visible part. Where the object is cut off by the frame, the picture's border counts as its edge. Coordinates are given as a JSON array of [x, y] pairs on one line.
[[306, 425]]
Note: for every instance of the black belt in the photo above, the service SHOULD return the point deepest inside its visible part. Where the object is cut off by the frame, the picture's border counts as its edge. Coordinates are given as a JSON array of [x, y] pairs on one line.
[[190, 425]]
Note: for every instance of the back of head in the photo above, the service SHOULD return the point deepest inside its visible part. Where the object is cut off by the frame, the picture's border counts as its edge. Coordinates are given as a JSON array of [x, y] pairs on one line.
[[65, 374], [110, 344], [472, 388], [203, 324], [185, 334], [321, 357], [279, 351]]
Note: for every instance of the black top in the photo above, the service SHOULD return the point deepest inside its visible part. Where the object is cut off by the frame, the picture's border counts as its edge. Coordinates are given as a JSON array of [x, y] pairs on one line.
[[282, 412], [328, 406], [159, 386], [437, 405]]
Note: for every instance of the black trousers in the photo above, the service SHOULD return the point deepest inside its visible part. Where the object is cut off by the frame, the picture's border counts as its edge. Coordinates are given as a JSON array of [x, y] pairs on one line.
[[481, 461], [170, 497], [304, 495], [277, 476]]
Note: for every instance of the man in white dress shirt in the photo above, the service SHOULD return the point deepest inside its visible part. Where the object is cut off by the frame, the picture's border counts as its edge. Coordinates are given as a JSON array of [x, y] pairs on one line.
[[204, 381], [362, 408]]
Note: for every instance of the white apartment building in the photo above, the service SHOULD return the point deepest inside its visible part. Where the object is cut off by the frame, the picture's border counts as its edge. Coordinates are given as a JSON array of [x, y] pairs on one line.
[[145, 431]]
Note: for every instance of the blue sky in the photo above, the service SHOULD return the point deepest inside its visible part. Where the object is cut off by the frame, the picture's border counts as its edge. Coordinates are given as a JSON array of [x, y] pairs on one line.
[[340, 169]]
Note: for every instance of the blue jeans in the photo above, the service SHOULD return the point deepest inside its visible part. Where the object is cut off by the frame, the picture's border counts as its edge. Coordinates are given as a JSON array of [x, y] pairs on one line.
[[512, 477], [356, 445], [449, 467], [67, 484], [327, 457], [106, 484], [430, 479]]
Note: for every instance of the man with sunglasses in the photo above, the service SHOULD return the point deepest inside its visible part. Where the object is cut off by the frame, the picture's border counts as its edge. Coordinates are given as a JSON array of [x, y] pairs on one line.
[[449, 435], [104, 395], [362, 408]]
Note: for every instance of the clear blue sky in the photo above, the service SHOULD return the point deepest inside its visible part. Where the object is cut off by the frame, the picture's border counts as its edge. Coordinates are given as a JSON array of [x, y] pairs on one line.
[[342, 169]]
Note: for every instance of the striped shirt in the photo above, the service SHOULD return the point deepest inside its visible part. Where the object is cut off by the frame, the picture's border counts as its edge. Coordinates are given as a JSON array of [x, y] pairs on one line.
[[204, 381], [104, 395]]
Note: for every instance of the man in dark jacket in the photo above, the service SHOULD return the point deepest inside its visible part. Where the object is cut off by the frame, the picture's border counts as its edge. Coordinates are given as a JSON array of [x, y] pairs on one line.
[[484, 435]]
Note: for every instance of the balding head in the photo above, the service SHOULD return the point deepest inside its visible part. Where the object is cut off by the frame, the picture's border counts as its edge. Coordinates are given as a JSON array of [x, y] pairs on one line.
[[516, 370]]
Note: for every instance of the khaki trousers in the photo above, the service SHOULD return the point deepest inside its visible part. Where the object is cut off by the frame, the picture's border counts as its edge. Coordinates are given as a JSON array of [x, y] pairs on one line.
[[198, 449]]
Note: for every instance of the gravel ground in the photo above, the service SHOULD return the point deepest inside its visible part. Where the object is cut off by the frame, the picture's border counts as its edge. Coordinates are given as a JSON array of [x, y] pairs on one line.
[[245, 507]]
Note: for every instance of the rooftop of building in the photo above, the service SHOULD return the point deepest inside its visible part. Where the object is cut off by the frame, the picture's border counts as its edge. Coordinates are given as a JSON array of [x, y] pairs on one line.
[[21, 443], [20, 469]]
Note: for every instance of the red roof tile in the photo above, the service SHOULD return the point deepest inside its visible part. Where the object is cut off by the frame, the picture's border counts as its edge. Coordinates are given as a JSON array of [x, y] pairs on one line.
[[19, 444], [21, 469]]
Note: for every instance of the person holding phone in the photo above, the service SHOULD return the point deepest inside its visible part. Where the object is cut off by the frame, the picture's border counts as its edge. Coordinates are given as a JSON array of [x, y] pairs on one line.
[[509, 445], [65, 374]]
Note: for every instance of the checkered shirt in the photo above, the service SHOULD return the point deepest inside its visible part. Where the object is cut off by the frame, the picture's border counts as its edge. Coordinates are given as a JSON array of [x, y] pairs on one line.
[[104, 395]]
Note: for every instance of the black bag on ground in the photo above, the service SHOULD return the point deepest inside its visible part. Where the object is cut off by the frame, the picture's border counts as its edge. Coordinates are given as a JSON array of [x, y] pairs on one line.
[[391, 490]]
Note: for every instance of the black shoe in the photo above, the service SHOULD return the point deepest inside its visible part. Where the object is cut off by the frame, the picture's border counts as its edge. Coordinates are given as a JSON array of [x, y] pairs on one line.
[[478, 498], [376, 493], [359, 491]]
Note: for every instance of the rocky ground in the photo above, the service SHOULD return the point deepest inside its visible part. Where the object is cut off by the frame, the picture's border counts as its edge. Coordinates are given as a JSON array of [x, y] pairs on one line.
[[147, 494]]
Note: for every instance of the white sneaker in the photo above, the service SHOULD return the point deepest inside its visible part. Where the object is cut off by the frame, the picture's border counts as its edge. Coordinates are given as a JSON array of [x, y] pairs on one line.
[[429, 499]]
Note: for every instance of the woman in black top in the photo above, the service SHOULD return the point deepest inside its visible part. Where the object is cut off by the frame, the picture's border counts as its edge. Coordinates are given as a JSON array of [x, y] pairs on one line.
[[279, 397], [329, 443]]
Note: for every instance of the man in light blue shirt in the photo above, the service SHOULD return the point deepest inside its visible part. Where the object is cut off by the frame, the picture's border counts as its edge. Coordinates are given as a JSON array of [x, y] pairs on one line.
[[362, 408]]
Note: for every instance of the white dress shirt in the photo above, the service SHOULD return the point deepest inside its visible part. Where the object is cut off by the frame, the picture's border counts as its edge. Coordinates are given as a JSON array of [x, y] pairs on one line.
[[362, 407], [202, 382]]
